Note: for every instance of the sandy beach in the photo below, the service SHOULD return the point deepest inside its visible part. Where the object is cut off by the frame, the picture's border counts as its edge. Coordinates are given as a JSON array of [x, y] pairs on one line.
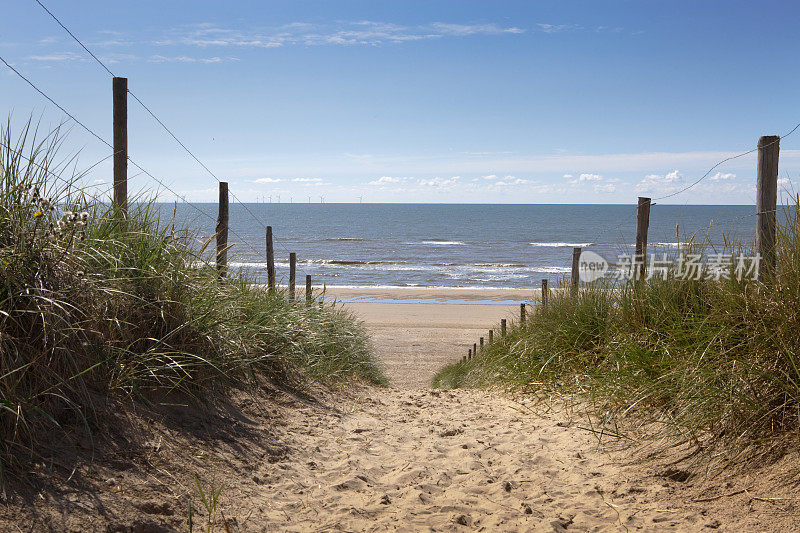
[[413, 340]]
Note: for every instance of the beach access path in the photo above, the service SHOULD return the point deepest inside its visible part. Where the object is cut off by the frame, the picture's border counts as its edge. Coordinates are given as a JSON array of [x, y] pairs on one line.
[[407, 458]]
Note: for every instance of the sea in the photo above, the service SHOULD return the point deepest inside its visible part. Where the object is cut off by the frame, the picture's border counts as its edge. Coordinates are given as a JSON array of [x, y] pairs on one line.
[[448, 245]]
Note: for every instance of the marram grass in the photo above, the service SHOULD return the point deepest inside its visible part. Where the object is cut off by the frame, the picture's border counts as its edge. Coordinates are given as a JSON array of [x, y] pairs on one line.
[[92, 306], [713, 362]]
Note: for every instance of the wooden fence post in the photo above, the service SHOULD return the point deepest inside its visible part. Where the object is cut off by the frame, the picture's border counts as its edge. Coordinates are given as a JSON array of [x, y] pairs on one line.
[[120, 98], [642, 224], [270, 261], [502, 327], [292, 271], [767, 202], [545, 293], [222, 230], [522, 313], [469, 353], [308, 288], [474, 349], [491, 336], [481, 341], [576, 273]]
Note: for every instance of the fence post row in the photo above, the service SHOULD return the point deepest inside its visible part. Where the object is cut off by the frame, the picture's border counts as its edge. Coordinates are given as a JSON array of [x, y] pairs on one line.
[[292, 270], [576, 274], [120, 103], [270, 261], [642, 224], [767, 202], [222, 230]]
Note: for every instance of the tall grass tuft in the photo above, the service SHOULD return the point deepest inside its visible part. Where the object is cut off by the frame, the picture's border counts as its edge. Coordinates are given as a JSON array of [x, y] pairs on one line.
[[714, 362], [93, 306]]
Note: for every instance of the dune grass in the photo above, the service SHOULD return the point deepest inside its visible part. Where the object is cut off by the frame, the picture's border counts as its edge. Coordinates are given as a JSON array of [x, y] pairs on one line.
[[713, 362], [93, 306]]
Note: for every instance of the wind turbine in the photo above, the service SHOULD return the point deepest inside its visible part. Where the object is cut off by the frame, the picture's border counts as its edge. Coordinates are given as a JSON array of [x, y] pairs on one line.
[[279, 198], [291, 199], [322, 199], [360, 198], [270, 198], [309, 199]]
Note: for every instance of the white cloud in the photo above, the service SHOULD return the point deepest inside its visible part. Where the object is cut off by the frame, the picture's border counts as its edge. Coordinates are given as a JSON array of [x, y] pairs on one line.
[[568, 176], [661, 183], [440, 183], [490, 177], [364, 32], [99, 181], [590, 177], [719, 176], [267, 180], [605, 188], [509, 181], [383, 180], [187, 59], [307, 180]]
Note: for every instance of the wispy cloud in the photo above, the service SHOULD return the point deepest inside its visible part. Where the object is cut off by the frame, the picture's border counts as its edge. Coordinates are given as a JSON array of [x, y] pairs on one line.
[[187, 59], [267, 180], [363, 32]]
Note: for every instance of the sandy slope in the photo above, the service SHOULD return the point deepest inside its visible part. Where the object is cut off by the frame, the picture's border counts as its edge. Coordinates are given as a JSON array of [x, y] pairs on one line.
[[439, 461]]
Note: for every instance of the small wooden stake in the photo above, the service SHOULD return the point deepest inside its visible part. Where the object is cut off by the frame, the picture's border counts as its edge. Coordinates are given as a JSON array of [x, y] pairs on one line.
[[502, 327], [474, 349], [545, 293], [576, 273], [120, 102], [222, 230], [270, 261], [308, 288], [469, 353], [767, 202], [481, 340], [491, 336], [522, 313], [642, 224], [292, 271]]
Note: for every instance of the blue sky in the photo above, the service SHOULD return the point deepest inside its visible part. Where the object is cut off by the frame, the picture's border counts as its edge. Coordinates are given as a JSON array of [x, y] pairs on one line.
[[423, 101]]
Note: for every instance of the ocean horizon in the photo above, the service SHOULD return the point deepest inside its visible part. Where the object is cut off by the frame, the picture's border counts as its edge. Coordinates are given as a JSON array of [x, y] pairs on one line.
[[478, 246]]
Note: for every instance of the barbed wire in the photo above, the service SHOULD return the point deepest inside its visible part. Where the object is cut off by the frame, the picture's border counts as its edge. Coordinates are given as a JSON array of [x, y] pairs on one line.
[[134, 163], [263, 223]]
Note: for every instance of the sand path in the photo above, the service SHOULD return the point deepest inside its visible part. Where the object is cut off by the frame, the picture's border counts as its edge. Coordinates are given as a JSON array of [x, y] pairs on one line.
[[410, 459]]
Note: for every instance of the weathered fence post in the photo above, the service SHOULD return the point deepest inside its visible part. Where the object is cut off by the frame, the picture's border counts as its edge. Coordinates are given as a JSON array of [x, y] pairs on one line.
[[469, 353], [474, 349], [463, 358], [522, 313], [491, 336], [270, 261], [308, 288], [120, 91], [481, 341], [642, 224], [502, 327], [767, 201], [544, 293], [222, 230], [576, 274], [292, 271]]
